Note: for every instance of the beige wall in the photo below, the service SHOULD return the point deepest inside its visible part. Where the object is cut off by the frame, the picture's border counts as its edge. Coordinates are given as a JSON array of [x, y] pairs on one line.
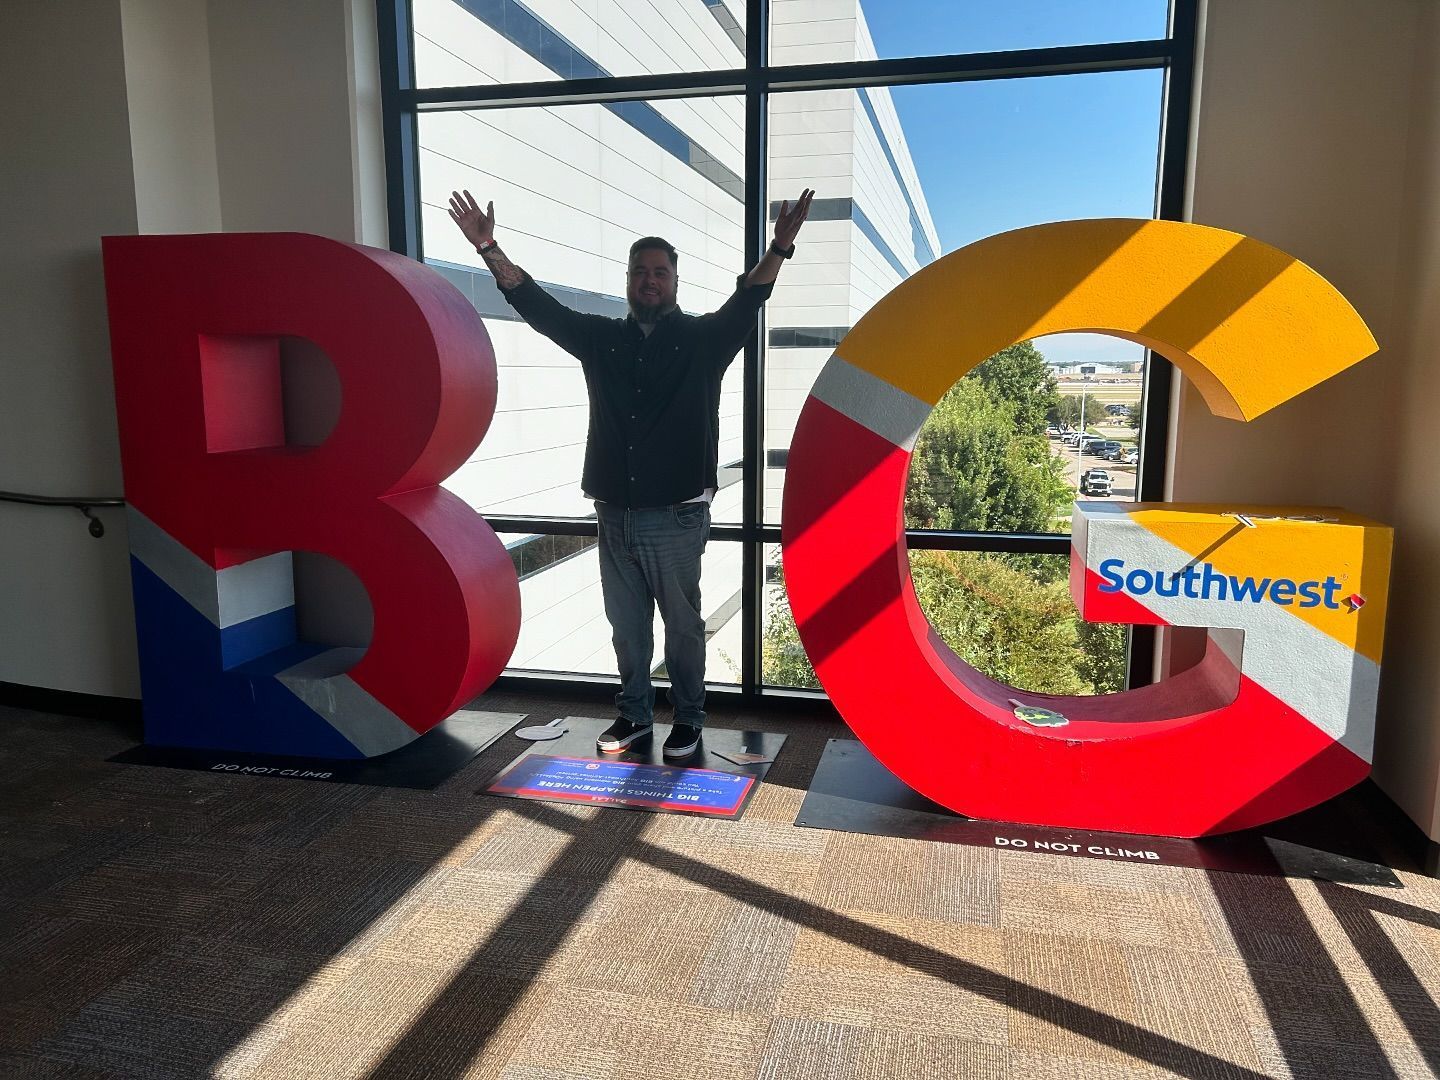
[[149, 116], [1408, 759], [171, 113], [66, 178], [1315, 132], [297, 117], [1300, 135]]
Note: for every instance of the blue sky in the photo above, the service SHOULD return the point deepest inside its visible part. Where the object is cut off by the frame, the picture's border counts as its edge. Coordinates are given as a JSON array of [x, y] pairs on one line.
[[928, 27], [998, 155]]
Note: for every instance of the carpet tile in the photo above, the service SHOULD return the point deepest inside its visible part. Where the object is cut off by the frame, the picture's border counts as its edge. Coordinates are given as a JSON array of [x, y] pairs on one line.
[[159, 923]]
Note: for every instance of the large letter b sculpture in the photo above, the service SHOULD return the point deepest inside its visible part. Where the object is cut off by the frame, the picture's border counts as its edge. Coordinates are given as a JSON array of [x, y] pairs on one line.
[[218, 500], [1279, 715]]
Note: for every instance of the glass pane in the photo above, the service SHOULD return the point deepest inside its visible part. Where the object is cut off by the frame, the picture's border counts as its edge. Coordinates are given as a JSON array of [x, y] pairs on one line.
[[782, 658], [830, 31], [1016, 442], [720, 577], [907, 174], [1094, 428], [982, 461], [573, 187], [563, 627], [474, 42], [1009, 616]]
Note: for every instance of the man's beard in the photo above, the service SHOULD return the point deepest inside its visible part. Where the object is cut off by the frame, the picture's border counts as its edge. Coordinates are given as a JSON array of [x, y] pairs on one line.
[[651, 313]]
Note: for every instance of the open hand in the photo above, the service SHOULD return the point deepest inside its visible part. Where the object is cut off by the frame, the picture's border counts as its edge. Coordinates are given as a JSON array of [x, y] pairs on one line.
[[787, 224], [477, 225]]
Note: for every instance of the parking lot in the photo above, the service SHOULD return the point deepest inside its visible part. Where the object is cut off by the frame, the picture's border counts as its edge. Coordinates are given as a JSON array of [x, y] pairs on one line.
[[1122, 477], [1102, 411]]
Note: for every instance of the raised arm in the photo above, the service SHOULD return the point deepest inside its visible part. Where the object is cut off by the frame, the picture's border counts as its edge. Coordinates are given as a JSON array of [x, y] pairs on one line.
[[734, 320], [479, 228], [787, 227], [571, 330]]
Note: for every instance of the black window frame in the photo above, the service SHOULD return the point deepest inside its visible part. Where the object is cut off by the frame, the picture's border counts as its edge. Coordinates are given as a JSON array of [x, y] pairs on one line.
[[402, 103]]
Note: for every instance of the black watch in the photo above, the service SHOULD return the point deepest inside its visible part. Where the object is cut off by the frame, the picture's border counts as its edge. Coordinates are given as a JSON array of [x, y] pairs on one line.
[[784, 253]]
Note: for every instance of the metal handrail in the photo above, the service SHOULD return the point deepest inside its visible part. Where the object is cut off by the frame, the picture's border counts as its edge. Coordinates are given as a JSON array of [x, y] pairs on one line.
[[97, 527]]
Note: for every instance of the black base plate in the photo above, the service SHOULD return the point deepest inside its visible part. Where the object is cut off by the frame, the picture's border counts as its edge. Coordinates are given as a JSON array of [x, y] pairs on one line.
[[852, 792], [579, 742], [425, 763]]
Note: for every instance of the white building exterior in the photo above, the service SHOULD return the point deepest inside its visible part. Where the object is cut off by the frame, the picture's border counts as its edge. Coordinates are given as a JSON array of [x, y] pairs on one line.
[[1094, 369], [573, 186]]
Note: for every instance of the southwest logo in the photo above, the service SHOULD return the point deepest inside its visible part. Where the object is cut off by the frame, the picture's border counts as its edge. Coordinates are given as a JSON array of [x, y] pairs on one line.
[[1203, 582]]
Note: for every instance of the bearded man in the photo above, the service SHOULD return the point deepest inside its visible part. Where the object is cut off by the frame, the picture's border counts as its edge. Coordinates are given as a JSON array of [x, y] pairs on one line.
[[651, 452]]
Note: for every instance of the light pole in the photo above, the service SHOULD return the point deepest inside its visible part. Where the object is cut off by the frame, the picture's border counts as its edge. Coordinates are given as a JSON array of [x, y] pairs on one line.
[[1080, 441]]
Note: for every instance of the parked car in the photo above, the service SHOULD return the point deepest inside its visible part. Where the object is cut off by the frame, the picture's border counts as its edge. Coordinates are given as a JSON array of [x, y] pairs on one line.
[[1095, 482], [1131, 456], [1106, 448]]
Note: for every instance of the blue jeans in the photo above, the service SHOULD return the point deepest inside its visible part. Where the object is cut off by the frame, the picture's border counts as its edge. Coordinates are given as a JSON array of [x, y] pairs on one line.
[[650, 557]]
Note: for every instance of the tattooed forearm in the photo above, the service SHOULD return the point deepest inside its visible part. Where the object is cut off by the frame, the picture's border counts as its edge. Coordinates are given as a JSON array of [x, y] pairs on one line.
[[507, 274]]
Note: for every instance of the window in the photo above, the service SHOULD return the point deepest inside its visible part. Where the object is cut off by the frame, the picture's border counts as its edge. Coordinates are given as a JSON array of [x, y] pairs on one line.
[[573, 186], [465, 42], [590, 124]]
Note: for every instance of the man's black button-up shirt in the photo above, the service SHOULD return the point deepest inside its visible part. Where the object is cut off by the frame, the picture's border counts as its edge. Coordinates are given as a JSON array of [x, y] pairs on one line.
[[654, 434]]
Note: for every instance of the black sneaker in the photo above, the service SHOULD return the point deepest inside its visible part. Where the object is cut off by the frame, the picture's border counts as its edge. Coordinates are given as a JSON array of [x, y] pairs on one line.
[[682, 741], [621, 734]]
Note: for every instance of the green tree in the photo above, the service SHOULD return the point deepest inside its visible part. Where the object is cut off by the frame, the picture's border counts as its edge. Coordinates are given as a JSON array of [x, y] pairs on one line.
[[1020, 377], [973, 469], [1013, 625], [783, 658], [1102, 655], [1066, 412]]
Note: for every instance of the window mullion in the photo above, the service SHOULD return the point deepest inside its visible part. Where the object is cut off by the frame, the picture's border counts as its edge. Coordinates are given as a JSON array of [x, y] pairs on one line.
[[752, 607]]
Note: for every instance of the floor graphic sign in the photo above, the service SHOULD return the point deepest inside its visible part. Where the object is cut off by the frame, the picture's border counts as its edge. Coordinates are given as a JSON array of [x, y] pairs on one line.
[[624, 783]]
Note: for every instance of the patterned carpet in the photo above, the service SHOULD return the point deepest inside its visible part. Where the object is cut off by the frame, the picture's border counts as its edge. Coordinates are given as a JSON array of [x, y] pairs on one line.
[[164, 923]]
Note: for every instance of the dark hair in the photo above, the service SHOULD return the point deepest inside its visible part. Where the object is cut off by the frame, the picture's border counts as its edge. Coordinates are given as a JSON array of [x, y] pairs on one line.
[[654, 243]]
